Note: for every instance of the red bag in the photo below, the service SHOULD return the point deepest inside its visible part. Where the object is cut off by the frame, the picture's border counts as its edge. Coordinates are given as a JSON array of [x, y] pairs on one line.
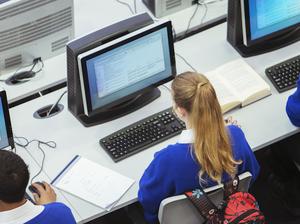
[[237, 207], [242, 207]]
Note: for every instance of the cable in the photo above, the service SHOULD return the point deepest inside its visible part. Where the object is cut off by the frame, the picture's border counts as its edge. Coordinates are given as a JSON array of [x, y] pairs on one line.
[[135, 8], [190, 20], [174, 33], [186, 62], [166, 87], [204, 4], [56, 103], [128, 6], [205, 13], [50, 144]]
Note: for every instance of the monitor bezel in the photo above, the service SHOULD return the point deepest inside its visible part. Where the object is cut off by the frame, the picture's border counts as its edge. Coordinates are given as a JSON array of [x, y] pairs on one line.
[[247, 30], [82, 58], [8, 126]]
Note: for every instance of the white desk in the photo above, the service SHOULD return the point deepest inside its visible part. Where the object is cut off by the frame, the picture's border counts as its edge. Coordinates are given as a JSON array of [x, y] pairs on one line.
[[93, 15], [263, 122]]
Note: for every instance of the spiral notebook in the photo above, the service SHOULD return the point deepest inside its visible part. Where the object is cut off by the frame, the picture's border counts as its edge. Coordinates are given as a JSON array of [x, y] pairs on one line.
[[92, 182]]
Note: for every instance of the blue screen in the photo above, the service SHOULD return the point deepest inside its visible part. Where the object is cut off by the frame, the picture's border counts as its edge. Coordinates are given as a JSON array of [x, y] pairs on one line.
[[129, 68], [3, 133], [269, 16]]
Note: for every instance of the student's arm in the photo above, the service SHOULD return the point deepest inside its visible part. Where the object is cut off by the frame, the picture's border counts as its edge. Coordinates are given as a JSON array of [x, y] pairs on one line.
[[60, 213], [243, 151], [293, 106], [155, 185]]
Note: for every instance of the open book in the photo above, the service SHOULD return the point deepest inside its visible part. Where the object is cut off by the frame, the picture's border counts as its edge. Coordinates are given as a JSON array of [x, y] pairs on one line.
[[237, 84], [92, 182]]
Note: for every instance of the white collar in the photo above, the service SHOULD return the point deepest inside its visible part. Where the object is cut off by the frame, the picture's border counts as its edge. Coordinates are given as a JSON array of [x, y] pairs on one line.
[[22, 214], [186, 137]]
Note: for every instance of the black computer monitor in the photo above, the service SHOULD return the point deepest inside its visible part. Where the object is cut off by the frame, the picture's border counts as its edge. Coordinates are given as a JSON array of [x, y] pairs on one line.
[[121, 75], [6, 136], [259, 26]]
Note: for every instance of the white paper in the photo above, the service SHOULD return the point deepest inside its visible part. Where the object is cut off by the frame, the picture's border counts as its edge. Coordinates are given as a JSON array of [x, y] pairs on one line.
[[94, 183]]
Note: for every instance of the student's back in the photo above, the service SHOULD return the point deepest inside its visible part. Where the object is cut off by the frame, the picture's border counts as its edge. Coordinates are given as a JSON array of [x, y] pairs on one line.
[[176, 168]]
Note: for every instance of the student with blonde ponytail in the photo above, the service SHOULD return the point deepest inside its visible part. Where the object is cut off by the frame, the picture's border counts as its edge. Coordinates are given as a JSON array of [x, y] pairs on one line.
[[207, 153]]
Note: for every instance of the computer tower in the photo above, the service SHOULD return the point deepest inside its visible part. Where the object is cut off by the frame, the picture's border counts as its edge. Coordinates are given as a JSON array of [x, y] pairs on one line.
[[33, 28], [161, 8]]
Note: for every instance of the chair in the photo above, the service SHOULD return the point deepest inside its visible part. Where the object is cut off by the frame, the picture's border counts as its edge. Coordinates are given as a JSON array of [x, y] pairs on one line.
[[179, 210]]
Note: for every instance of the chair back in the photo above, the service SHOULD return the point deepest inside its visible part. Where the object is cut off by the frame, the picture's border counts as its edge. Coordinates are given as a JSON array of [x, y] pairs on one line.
[[179, 210]]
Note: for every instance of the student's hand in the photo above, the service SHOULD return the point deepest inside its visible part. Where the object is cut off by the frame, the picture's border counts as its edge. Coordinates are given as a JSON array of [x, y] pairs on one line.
[[230, 121], [47, 194]]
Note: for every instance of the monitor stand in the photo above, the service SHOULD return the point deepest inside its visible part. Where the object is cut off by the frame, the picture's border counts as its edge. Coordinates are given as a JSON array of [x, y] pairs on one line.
[[121, 109], [270, 45]]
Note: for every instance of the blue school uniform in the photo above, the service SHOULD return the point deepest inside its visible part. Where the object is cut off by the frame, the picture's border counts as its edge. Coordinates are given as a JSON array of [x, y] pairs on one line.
[[174, 170], [293, 106]]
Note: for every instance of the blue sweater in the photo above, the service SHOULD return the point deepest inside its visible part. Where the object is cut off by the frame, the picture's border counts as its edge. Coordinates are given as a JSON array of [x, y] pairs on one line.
[[54, 213], [293, 106], [173, 171]]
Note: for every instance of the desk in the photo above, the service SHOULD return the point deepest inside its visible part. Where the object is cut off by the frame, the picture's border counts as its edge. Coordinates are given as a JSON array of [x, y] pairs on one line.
[[93, 15], [263, 122]]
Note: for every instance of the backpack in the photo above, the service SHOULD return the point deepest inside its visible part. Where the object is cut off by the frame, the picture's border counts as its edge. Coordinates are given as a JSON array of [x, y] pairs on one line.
[[236, 207]]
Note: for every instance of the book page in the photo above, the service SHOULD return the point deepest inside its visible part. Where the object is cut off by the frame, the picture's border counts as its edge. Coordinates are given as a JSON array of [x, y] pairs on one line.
[[94, 183], [226, 97], [246, 84]]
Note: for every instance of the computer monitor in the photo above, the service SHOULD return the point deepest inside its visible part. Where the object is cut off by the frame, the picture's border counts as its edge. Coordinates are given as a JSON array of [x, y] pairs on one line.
[[259, 26], [121, 75], [6, 136], [32, 29]]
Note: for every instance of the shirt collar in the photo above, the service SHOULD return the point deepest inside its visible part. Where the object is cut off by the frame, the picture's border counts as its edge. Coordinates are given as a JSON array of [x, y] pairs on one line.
[[22, 214], [186, 137]]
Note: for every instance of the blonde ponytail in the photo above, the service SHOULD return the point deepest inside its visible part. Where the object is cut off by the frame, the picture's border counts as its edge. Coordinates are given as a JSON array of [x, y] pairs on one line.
[[212, 148]]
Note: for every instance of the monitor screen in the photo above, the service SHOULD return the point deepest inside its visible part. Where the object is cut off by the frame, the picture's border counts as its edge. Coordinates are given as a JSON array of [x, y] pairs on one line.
[[5, 126], [126, 66], [264, 19]]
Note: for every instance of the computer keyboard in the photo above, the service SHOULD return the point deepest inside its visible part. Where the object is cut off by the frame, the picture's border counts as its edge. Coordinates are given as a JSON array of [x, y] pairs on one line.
[[142, 134], [284, 75]]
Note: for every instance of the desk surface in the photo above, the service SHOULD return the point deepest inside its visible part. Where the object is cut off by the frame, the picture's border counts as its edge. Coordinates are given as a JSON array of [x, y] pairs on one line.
[[263, 122], [92, 15]]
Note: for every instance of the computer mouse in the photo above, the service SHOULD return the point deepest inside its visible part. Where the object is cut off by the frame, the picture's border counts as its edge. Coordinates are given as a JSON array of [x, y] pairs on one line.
[[24, 75], [33, 189]]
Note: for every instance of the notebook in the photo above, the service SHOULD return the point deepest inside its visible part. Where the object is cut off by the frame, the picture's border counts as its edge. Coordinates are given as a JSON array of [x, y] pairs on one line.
[[237, 84], [92, 182]]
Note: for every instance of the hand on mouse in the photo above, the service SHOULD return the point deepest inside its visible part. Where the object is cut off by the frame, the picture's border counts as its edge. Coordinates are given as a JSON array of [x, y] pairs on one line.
[[47, 194]]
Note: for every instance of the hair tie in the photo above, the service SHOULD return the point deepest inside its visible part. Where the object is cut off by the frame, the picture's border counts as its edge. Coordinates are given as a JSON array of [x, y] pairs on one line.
[[201, 84]]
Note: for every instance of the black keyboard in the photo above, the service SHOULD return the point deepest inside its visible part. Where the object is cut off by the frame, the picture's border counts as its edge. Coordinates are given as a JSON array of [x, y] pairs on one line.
[[142, 135], [284, 75]]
